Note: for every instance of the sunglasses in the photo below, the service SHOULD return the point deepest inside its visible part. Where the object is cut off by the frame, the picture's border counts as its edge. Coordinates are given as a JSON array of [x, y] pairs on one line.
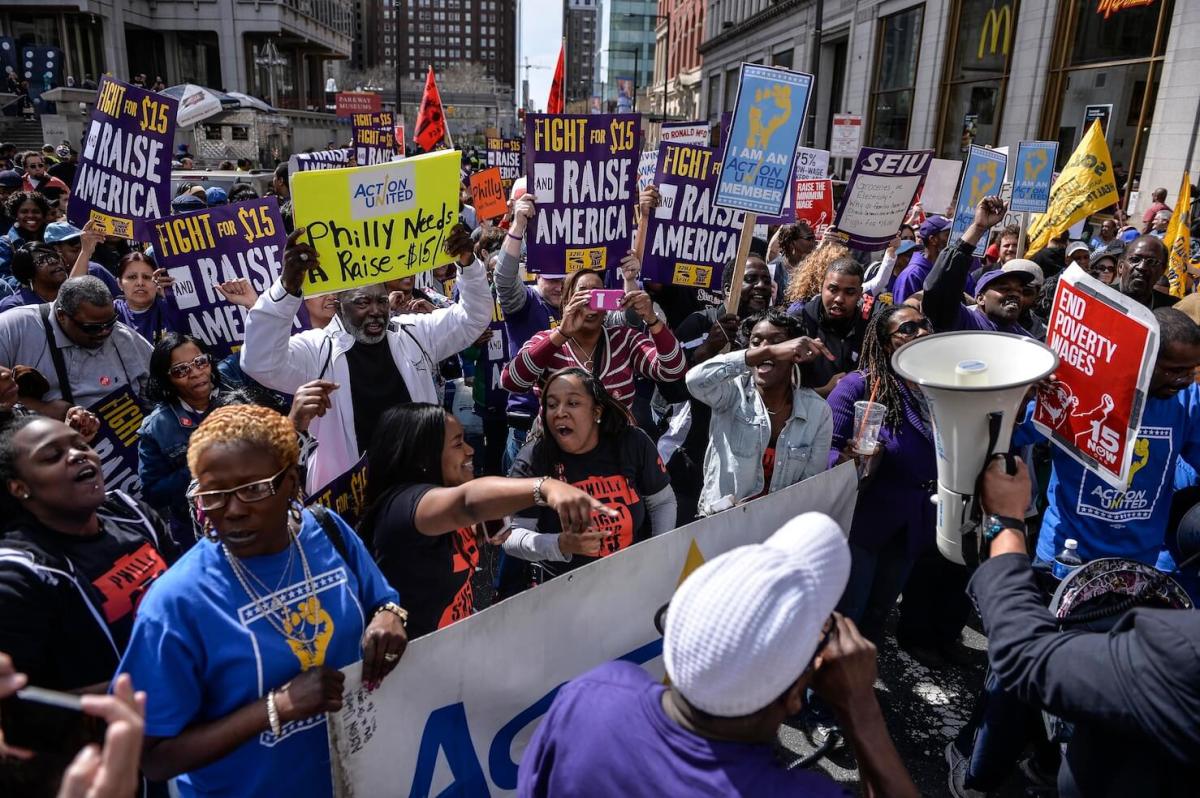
[[251, 492], [185, 368], [94, 327], [910, 328]]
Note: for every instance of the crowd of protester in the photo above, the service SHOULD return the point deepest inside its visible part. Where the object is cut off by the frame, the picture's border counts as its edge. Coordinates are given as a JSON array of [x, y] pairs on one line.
[[687, 406]]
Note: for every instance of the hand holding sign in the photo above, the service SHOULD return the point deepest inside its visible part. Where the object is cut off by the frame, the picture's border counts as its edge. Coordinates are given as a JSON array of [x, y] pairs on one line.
[[989, 212], [460, 246], [298, 258], [238, 292]]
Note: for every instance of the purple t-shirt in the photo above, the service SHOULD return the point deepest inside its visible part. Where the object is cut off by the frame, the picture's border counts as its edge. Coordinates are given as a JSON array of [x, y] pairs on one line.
[[607, 734]]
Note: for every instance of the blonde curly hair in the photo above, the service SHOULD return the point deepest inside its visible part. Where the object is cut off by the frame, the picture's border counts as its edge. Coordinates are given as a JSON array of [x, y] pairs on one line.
[[251, 424], [808, 275]]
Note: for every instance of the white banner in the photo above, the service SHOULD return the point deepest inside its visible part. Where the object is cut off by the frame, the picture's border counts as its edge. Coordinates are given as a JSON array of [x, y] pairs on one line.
[[455, 716]]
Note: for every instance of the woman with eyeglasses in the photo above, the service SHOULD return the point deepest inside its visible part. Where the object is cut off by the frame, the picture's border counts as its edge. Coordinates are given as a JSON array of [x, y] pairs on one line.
[[242, 642], [39, 271], [183, 384], [75, 561], [148, 304], [894, 519]]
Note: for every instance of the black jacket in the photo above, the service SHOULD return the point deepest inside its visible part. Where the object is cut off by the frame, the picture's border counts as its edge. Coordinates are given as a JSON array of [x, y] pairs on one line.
[[1133, 693], [844, 339]]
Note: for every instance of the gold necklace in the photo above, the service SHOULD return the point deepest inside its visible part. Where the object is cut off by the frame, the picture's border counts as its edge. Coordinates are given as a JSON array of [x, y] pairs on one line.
[[586, 364], [276, 612]]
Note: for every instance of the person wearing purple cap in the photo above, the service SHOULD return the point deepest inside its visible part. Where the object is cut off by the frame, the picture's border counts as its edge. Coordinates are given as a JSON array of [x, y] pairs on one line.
[[881, 276], [999, 294], [933, 233]]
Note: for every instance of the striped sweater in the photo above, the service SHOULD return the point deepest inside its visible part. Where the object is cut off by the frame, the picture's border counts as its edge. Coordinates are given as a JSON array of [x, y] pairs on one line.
[[621, 352]]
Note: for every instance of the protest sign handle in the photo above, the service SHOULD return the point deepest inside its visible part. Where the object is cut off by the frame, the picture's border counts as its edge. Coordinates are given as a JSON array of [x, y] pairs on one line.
[[1021, 241], [643, 230], [739, 264]]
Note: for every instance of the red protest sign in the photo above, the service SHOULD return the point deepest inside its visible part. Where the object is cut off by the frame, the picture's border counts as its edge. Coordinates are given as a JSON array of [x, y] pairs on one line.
[[349, 103], [1106, 344], [814, 204], [487, 192]]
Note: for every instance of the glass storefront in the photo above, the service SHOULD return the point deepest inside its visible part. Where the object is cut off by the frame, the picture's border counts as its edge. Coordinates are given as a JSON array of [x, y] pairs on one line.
[[982, 33], [1107, 66], [895, 78]]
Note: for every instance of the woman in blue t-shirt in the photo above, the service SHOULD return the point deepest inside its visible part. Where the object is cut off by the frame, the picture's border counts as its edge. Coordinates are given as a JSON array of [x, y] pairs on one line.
[[242, 643]]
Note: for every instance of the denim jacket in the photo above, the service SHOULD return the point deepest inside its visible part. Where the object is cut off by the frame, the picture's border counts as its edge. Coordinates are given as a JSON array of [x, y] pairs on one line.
[[741, 429], [162, 465]]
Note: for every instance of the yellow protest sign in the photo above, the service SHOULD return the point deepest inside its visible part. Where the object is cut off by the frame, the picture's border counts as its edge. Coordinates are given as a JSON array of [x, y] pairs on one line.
[[1179, 242], [1085, 186], [376, 223]]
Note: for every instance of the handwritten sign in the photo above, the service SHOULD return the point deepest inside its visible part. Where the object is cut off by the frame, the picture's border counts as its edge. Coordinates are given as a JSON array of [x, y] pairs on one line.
[[1107, 345], [376, 223], [346, 495], [760, 152], [940, 186], [647, 166], [487, 192], [880, 191], [982, 177], [689, 240], [116, 443], [685, 133], [322, 159], [226, 242], [1034, 174], [582, 172], [508, 155], [124, 175]]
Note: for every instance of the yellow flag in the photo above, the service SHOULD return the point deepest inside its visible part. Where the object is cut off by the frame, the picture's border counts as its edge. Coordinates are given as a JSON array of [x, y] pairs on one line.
[[1085, 186], [1179, 242]]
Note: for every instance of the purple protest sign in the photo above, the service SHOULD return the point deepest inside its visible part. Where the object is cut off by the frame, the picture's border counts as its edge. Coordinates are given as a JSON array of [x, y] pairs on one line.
[[689, 241], [204, 248], [880, 191], [123, 180], [374, 137], [346, 495], [116, 443], [322, 159], [582, 170]]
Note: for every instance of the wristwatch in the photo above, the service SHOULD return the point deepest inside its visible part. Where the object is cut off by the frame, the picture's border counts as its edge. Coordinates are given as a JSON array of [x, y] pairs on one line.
[[995, 524]]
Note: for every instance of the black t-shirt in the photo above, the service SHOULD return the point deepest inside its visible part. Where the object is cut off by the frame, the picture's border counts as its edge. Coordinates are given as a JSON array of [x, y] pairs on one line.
[[432, 573], [616, 473], [375, 386], [45, 577]]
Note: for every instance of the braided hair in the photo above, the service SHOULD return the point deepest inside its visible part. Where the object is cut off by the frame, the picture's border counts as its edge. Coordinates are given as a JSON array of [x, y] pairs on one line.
[[259, 426], [875, 364]]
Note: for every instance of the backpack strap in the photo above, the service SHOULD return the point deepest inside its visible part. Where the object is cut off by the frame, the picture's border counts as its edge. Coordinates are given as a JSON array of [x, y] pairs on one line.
[[60, 365], [332, 530]]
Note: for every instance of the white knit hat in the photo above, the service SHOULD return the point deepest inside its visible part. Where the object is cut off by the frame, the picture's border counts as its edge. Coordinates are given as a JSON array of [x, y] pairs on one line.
[[745, 625]]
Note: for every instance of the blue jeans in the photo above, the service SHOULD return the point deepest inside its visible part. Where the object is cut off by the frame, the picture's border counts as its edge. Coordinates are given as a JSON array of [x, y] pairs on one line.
[[516, 439], [876, 581], [1000, 728]]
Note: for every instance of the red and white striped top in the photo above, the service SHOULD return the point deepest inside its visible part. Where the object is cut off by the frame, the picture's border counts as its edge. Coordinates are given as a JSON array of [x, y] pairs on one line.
[[621, 352]]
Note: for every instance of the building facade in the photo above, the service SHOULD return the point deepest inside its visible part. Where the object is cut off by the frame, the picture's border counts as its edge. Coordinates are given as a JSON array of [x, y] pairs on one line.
[[414, 35], [944, 74], [581, 29], [626, 52], [232, 45], [679, 31]]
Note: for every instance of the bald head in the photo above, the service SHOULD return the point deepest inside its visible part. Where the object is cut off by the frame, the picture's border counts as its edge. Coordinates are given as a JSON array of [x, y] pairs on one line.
[[1141, 267]]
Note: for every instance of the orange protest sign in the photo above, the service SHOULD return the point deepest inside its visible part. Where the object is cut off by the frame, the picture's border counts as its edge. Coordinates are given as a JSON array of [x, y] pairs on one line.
[[487, 192]]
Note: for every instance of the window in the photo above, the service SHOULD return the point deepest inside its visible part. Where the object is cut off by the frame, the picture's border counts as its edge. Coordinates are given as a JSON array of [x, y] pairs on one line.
[[982, 33], [783, 58], [895, 78]]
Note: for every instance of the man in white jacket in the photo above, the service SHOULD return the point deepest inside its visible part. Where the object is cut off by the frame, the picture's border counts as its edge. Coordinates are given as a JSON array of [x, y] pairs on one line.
[[373, 364]]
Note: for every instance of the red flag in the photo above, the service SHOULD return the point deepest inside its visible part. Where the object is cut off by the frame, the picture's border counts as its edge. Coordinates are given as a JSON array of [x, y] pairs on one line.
[[431, 123], [554, 105]]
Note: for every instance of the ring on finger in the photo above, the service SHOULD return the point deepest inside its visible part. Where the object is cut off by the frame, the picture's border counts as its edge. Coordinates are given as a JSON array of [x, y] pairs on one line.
[[391, 657]]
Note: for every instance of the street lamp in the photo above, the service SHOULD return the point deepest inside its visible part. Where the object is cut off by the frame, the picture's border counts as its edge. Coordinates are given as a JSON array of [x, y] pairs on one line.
[[270, 58]]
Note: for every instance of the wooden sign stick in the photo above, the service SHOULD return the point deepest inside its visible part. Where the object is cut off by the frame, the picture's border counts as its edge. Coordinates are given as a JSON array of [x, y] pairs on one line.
[[739, 264]]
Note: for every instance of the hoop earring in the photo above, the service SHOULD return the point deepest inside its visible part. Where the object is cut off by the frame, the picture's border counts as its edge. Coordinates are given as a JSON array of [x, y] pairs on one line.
[[295, 511]]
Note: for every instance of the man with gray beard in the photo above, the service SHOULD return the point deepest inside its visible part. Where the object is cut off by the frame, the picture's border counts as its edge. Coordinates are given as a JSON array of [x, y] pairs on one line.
[[365, 364]]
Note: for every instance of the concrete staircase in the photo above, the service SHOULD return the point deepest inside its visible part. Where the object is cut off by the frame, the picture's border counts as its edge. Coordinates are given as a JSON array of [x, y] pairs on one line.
[[25, 134]]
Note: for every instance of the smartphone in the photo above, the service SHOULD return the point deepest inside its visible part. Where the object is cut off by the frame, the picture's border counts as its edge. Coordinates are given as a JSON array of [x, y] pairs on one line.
[[48, 721], [606, 299]]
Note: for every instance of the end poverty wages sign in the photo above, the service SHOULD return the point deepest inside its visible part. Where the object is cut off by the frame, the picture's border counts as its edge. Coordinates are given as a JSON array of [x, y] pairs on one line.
[[376, 223], [124, 175], [761, 147], [689, 240], [982, 177], [1107, 345], [226, 242], [583, 176], [880, 191], [1033, 176]]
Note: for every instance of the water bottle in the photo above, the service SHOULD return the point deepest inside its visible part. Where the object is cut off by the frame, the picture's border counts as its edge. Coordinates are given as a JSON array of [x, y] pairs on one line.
[[1067, 560]]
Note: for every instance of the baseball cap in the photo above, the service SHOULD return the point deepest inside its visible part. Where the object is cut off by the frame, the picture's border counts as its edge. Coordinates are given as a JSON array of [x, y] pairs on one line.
[[1076, 246], [216, 195], [57, 232], [986, 280], [932, 226], [10, 179], [907, 247], [743, 627], [1028, 267], [992, 252], [187, 202]]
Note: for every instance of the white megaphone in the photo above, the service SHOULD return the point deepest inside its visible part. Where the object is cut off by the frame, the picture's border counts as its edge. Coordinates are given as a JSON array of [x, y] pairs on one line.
[[974, 383]]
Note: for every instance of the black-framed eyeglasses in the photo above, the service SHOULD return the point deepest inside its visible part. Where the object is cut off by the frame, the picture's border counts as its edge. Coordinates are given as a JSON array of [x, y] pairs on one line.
[[209, 500], [1142, 260], [94, 327], [910, 328], [183, 369]]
